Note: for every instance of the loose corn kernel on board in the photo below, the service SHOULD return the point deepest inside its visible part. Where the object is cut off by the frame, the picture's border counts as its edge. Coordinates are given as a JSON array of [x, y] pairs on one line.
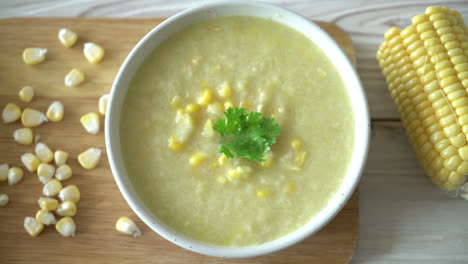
[[101, 203]]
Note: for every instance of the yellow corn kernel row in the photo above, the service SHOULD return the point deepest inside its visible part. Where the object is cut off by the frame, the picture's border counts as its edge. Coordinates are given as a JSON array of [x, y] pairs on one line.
[[426, 69]]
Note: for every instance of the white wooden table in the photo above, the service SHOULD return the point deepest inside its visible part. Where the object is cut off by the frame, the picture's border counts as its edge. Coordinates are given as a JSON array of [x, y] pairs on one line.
[[404, 218]]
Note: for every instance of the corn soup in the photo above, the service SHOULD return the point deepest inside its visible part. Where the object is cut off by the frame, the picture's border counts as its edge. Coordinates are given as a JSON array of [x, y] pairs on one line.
[[170, 149]]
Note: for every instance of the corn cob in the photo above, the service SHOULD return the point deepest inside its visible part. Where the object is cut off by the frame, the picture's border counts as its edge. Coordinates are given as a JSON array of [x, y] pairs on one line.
[[426, 69]]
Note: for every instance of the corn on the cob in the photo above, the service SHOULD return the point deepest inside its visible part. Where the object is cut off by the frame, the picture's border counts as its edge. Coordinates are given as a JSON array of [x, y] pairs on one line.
[[66, 226], [126, 226], [32, 118], [89, 158], [30, 161], [11, 113], [45, 217], [47, 203], [55, 111], [60, 157], [426, 70], [44, 153], [26, 94], [4, 199], [23, 136], [63, 172], [15, 175], [70, 193], [93, 52], [67, 37], [33, 56], [66, 208], [33, 226], [45, 172], [74, 77], [103, 101], [4, 171]]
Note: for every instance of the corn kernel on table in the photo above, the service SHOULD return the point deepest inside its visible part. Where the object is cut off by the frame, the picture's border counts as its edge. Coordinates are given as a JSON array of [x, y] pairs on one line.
[[404, 217]]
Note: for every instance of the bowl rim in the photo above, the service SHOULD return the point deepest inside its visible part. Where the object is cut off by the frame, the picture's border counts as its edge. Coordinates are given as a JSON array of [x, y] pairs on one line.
[[360, 149]]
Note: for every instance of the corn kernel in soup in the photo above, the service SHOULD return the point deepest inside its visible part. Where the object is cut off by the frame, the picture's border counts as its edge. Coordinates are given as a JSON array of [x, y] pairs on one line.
[[248, 62]]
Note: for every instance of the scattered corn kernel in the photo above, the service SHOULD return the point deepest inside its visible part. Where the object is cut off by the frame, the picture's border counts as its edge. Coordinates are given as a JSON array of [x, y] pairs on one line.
[[91, 122], [66, 208], [93, 52], [48, 204], [89, 158], [206, 97], [192, 108], [26, 94], [74, 77], [55, 111], [32, 118], [66, 226], [103, 101], [52, 188], [126, 226], [23, 135], [222, 160], [175, 145], [300, 158], [45, 172], [208, 129], [70, 193], [60, 157], [33, 56], [4, 199], [197, 159], [296, 144], [11, 113], [30, 161], [289, 188], [228, 104], [67, 37], [15, 175], [45, 217], [224, 90], [4, 172], [262, 193], [63, 172], [44, 153], [175, 101], [33, 226]]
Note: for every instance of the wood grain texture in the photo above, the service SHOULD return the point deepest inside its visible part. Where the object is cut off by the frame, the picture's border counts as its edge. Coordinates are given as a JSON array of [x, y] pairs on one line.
[[102, 204]]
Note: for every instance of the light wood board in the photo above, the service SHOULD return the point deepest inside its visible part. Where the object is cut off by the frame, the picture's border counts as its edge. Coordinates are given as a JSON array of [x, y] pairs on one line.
[[102, 204]]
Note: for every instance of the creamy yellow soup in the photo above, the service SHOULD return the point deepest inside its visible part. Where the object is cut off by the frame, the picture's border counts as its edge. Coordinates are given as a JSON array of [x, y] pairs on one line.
[[171, 151]]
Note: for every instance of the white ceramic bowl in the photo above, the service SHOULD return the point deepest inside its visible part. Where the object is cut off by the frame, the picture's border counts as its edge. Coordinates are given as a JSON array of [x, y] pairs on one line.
[[228, 8]]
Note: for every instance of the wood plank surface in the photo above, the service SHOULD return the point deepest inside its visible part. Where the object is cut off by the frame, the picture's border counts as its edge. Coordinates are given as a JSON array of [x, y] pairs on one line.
[[102, 204]]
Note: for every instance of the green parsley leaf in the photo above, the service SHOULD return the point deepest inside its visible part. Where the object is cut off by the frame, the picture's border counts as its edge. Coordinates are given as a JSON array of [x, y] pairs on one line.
[[247, 135]]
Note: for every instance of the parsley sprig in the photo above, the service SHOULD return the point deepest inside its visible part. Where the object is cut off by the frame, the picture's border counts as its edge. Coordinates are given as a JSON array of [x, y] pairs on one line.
[[247, 135]]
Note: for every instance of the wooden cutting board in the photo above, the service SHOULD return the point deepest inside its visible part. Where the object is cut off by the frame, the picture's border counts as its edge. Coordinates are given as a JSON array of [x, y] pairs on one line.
[[102, 204]]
